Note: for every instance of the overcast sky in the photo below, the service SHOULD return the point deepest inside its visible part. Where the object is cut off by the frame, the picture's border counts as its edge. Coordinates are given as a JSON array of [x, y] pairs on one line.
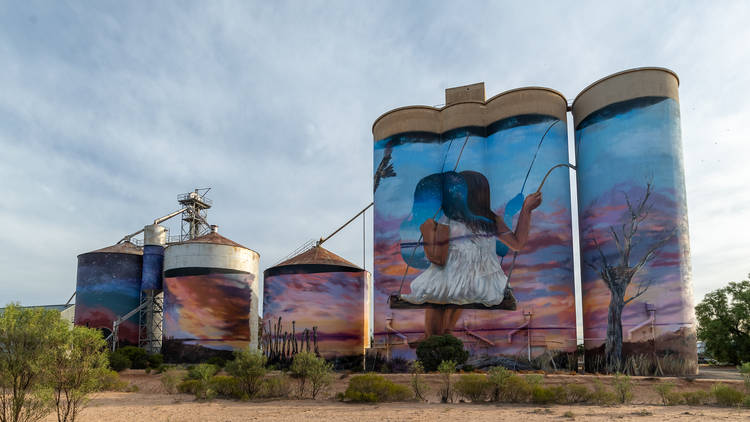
[[108, 110]]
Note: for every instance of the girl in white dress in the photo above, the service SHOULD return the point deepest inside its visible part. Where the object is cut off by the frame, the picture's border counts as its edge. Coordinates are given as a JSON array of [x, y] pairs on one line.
[[472, 273]]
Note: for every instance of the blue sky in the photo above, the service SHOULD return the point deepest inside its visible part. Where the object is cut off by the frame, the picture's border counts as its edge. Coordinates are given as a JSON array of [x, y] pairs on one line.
[[109, 110]]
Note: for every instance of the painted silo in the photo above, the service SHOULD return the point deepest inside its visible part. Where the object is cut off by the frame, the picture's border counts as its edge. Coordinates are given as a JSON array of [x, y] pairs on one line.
[[210, 298], [636, 282], [320, 292], [108, 285], [153, 257], [454, 195]]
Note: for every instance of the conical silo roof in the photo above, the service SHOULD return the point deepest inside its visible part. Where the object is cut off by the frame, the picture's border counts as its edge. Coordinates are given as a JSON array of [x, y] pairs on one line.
[[215, 239], [124, 247], [317, 255]]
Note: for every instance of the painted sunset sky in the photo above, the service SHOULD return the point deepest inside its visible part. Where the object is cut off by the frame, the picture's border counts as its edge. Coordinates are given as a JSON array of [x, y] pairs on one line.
[[332, 301], [621, 148], [542, 280], [211, 310]]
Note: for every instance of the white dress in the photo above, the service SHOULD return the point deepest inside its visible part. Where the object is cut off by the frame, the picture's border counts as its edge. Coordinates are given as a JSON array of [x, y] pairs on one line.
[[472, 273]]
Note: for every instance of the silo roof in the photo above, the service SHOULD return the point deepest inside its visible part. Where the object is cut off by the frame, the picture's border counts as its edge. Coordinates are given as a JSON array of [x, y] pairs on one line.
[[317, 255], [124, 247], [216, 239]]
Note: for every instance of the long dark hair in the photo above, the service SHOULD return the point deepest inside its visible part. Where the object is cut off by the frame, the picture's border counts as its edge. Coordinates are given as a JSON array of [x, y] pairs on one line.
[[478, 199]]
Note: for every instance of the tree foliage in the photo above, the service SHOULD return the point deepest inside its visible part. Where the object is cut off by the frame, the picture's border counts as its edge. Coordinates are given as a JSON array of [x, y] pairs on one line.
[[437, 349], [249, 367], [724, 322]]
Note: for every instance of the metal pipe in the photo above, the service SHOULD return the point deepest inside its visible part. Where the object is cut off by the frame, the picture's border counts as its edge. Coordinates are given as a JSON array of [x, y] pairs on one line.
[[320, 242], [168, 216]]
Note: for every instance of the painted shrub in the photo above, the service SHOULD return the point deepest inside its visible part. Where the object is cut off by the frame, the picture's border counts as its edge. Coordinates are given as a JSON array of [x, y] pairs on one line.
[[108, 286], [331, 301], [206, 312], [463, 180], [633, 222]]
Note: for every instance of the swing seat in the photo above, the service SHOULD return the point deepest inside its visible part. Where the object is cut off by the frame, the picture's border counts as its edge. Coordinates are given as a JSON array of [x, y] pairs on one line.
[[508, 304]]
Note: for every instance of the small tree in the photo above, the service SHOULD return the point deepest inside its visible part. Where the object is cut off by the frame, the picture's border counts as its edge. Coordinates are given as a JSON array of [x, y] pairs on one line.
[[77, 370], [437, 349], [26, 338], [418, 385], [249, 367], [724, 322], [446, 369], [307, 367]]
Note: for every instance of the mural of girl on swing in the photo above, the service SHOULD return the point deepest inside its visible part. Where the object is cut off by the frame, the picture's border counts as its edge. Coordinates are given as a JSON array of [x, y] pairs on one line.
[[460, 233]]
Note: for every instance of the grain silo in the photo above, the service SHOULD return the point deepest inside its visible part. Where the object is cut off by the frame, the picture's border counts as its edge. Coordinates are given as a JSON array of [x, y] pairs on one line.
[[454, 195], [108, 286], [211, 291], [636, 281], [317, 293]]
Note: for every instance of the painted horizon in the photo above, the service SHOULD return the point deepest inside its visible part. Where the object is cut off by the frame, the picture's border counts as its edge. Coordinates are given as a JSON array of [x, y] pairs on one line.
[[211, 310], [334, 302], [641, 138], [542, 277]]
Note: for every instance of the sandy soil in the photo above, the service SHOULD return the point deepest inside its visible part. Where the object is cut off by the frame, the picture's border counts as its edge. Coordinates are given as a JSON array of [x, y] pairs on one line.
[[153, 404]]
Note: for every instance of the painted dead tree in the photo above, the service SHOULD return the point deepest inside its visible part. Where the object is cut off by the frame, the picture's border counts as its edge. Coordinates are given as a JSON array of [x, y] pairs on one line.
[[617, 274]]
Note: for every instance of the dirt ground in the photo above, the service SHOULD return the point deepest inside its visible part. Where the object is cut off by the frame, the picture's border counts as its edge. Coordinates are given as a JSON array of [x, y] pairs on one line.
[[152, 403]]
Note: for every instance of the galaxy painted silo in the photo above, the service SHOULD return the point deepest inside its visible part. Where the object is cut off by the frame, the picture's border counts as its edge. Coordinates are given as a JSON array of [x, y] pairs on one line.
[[108, 286], [322, 293], [466, 175], [636, 282], [210, 299]]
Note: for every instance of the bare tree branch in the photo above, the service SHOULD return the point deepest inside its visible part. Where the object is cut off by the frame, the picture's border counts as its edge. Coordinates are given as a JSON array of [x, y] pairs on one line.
[[640, 291]]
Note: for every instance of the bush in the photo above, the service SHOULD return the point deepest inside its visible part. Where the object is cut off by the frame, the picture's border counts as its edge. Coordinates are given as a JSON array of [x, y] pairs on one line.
[[446, 369], [203, 374], [745, 371], [601, 395], [696, 398], [437, 349], [110, 381], [202, 371], [517, 390], [498, 378], [169, 380], [474, 387], [119, 362], [726, 395], [217, 361], [138, 357], [668, 397], [249, 367], [188, 386], [623, 388], [278, 386], [155, 360], [418, 386], [577, 393], [375, 388], [226, 386], [311, 371], [546, 395]]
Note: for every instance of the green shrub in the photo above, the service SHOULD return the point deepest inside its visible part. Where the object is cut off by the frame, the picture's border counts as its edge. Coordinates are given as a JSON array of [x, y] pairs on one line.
[[696, 398], [437, 349], [601, 395], [188, 386], [119, 362], [155, 360], [474, 387], [226, 386], [745, 371], [375, 388], [668, 397], [577, 393], [277, 386], [623, 388], [517, 390], [418, 385], [746, 401], [446, 369], [202, 371], [534, 379], [111, 381], [498, 378], [546, 395], [217, 361], [312, 372], [726, 395], [249, 367], [138, 357], [170, 379]]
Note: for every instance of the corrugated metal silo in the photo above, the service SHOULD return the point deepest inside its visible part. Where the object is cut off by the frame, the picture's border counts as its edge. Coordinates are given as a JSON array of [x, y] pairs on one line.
[[108, 285], [210, 298], [319, 290], [633, 223], [469, 166]]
